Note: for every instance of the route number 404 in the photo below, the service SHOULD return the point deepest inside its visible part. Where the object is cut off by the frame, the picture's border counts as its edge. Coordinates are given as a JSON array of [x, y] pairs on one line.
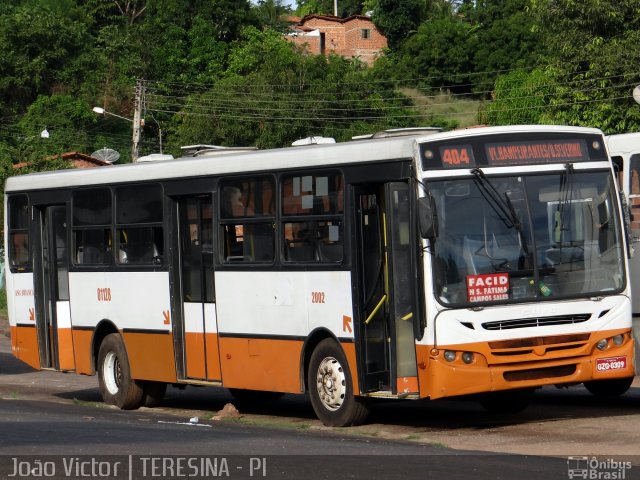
[[317, 297], [456, 156]]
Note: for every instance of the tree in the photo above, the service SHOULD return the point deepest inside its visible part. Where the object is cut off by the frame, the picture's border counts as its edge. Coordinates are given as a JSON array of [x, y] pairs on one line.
[[592, 51], [397, 19], [270, 14], [272, 95], [346, 8], [37, 44], [519, 98]]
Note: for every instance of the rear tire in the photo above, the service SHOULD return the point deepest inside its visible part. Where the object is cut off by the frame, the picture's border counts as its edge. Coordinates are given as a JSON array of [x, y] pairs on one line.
[[508, 401], [331, 388], [114, 375], [609, 388]]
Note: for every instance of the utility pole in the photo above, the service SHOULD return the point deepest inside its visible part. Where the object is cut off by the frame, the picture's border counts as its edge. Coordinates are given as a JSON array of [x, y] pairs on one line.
[[137, 121], [335, 8]]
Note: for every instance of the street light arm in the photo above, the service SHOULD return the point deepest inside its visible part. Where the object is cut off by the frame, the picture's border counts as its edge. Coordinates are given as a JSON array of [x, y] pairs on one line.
[[102, 111]]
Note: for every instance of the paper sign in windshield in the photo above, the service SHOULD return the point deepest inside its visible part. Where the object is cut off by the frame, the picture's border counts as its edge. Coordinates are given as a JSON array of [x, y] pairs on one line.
[[488, 288]]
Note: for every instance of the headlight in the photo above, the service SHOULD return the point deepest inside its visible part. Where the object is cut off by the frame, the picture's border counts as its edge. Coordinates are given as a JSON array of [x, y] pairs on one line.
[[449, 355], [618, 339], [467, 357], [602, 344]]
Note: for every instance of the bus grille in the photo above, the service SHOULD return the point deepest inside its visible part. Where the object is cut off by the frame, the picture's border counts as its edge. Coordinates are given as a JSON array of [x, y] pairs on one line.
[[536, 322]]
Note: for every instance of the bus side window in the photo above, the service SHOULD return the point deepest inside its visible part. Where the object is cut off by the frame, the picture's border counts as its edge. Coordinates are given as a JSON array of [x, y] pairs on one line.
[[91, 224], [18, 232], [634, 192], [247, 220], [139, 231], [312, 211]]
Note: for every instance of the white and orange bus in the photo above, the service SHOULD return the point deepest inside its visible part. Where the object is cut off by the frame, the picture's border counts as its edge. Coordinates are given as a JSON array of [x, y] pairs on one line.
[[486, 262]]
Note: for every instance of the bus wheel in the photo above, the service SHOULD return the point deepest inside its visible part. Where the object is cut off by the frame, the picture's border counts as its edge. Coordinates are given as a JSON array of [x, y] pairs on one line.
[[508, 401], [609, 388], [331, 388], [153, 393], [114, 376]]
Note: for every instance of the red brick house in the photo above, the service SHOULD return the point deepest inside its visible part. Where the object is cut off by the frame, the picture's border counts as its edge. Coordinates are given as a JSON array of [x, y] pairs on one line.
[[76, 159], [352, 37]]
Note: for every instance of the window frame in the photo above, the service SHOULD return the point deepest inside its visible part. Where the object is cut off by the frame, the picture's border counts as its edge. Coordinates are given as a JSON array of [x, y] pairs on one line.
[[159, 252], [225, 221], [106, 228], [337, 217], [25, 266]]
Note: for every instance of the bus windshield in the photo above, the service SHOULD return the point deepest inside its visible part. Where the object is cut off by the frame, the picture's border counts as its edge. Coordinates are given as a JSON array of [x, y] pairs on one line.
[[519, 238]]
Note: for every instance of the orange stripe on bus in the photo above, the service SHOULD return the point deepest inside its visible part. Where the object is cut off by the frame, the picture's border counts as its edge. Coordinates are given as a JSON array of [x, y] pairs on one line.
[[350, 352], [65, 349], [26, 345], [261, 364], [194, 355], [407, 385], [151, 356], [82, 349], [564, 362], [213, 356]]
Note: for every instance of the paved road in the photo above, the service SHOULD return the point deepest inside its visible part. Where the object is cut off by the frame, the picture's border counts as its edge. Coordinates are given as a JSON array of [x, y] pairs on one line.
[[55, 432]]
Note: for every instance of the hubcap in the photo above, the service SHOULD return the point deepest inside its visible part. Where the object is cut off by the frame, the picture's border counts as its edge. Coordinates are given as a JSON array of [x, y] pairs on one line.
[[331, 383], [112, 373]]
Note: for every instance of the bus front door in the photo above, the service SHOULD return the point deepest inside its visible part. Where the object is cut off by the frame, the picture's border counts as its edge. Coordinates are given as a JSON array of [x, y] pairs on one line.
[[53, 314], [195, 328], [386, 275]]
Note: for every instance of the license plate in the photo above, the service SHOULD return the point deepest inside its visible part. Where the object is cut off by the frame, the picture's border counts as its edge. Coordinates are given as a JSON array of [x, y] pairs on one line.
[[611, 363]]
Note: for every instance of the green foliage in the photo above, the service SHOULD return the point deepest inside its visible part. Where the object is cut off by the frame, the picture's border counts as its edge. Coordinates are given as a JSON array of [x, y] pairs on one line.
[[520, 98], [346, 8], [397, 19], [592, 45], [37, 44], [271, 95]]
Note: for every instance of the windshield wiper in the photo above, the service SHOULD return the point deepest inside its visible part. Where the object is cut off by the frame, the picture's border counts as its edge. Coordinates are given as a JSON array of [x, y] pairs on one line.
[[501, 205]]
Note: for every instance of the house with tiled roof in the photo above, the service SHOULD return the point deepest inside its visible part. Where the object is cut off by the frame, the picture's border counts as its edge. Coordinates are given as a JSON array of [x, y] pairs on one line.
[[352, 37]]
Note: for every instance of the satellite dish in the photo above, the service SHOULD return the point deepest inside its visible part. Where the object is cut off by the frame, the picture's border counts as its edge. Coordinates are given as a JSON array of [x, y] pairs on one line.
[[636, 94], [106, 155]]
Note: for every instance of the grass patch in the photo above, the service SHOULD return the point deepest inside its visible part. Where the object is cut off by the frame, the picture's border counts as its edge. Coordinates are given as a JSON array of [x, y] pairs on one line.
[[3, 302], [463, 110], [84, 403], [12, 395], [268, 422]]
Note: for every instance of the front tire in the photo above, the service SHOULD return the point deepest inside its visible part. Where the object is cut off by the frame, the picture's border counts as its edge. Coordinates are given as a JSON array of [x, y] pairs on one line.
[[331, 388], [114, 375], [613, 387]]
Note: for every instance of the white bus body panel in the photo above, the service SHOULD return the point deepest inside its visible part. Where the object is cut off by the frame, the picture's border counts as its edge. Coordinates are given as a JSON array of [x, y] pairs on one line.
[[284, 303], [609, 313], [135, 300]]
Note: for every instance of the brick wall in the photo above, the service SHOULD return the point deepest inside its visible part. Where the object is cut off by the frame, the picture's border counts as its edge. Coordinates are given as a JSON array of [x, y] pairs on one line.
[[343, 37]]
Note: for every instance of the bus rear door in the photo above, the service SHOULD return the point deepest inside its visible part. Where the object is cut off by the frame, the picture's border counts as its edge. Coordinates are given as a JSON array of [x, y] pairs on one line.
[[51, 264], [194, 309]]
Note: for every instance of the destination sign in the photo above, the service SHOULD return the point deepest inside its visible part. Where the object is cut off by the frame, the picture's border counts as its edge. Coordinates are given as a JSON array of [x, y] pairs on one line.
[[511, 149], [536, 152], [456, 156]]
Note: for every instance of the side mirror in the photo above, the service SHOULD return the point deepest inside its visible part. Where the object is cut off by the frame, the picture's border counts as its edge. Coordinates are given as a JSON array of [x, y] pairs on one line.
[[427, 217]]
